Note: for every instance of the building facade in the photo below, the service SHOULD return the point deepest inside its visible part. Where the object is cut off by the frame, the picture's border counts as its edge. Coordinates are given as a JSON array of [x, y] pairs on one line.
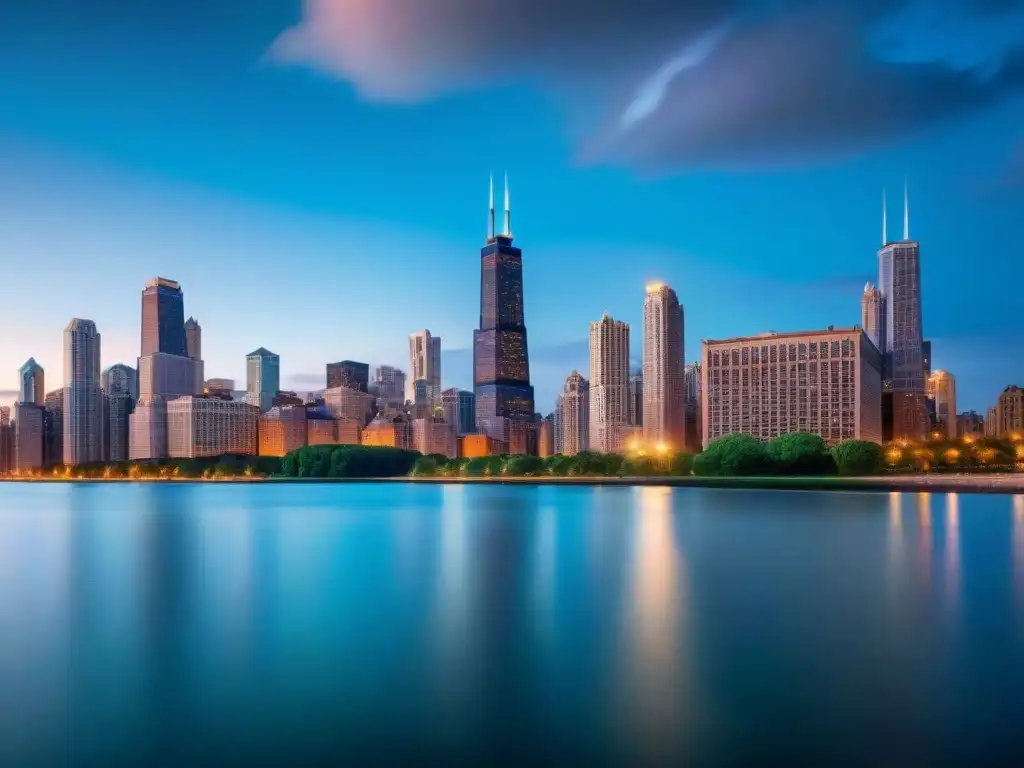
[[29, 438], [83, 396], [425, 364], [575, 415], [388, 386], [53, 428], [609, 384], [872, 315], [119, 408], [262, 378], [692, 390], [193, 339], [163, 318], [6, 441], [282, 430], [546, 437], [1009, 416], [969, 424], [459, 409], [636, 399], [200, 427], [435, 435], [899, 280], [31, 383], [501, 361], [663, 417], [828, 383], [351, 404], [350, 374], [121, 379], [169, 375], [940, 387]]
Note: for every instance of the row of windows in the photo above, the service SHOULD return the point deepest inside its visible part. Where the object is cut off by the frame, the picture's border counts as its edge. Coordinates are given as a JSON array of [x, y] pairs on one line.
[[781, 353]]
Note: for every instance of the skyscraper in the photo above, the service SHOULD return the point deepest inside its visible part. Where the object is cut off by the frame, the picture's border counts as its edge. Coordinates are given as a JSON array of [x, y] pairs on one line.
[[692, 389], [163, 318], [262, 378], [30, 383], [872, 315], [459, 409], [636, 399], [926, 357], [574, 405], [501, 363], [193, 339], [53, 428], [609, 384], [941, 388], [121, 379], [664, 421], [425, 364], [899, 280], [389, 385], [350, 374], [83, 398]]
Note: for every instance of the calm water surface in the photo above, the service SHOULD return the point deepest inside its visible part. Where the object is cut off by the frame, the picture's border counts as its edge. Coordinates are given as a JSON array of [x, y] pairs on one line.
[[289, 624]]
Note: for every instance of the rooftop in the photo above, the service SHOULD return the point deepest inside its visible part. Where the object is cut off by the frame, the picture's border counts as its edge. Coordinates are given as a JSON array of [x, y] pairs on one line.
[[830, 331]]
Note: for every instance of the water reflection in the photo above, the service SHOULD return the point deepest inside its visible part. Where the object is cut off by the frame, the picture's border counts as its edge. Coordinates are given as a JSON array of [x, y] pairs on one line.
[[925, 543], [1018, 545], [952, 544], [656, 689]]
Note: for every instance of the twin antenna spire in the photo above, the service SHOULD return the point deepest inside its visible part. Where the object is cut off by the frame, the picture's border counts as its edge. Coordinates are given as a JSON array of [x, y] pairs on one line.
[[507, 227], [906, 216]]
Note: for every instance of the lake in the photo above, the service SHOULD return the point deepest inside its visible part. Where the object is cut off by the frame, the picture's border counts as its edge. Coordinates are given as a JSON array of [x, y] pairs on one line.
[[410, 623]]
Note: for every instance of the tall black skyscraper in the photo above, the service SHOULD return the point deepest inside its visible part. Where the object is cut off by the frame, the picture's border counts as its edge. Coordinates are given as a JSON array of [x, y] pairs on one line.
[[501, 363], [163, 318], [349, 373]]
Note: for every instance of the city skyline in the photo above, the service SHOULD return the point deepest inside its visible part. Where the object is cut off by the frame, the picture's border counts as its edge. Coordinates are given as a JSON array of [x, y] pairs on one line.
[[257, 192]]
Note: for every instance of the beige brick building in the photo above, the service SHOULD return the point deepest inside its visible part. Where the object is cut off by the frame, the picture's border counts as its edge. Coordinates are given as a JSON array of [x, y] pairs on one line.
[[282, 430], [1010, 412], [827, 383], [206, 426]]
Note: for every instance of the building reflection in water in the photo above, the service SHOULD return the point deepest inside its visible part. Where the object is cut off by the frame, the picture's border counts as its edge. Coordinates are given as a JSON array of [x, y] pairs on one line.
[[1018, 546], [457, 667], [35, 618], [897, 560], [925, 540], [952, 543], [658, 686]]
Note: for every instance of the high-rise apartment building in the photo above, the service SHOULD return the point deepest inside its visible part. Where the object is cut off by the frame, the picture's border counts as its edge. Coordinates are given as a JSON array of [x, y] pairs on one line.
[[501, 361], [941, 389], [899, 280], [193, 339], [664, 416], [872, 315], [558, 424], [609, 384], [262, 378], [828, 383], [388, 385], [29, 437], [574, 406], [30, 383], [83, 397], [163, 318], [119, 409], [53, 428], [207, 426], [121, 379], [459, 409], [349, 373], [425, 364], [1009, 416]]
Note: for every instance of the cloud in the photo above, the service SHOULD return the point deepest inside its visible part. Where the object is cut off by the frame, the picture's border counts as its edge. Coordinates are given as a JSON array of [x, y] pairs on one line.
[[707, 83]]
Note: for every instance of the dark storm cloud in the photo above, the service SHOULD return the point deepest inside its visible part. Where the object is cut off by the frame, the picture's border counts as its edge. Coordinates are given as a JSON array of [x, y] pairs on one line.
[[680, 84]]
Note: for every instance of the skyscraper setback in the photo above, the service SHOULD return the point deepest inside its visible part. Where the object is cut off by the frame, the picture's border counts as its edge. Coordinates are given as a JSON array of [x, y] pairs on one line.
[[163, 318], [501, 364]]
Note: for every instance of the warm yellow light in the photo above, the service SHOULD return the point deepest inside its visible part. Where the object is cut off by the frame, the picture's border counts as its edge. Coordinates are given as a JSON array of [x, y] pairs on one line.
[[655, 286], [952, 454], [1015, 437], [969, 440], [936, 435], [662, 448], [894, 455]]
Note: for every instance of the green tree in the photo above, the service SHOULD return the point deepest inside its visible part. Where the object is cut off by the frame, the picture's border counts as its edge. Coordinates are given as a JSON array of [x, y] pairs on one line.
[[732, 456], [520, 466], [681, 464], [425, 466], [475, 467], [800, 453], [858, 457]]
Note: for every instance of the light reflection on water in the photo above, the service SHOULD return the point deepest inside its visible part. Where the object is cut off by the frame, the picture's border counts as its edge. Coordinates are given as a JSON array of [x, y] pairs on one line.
[[277, 624]]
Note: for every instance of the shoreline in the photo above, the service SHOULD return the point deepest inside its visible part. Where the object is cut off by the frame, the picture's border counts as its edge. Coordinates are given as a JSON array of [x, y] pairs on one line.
[[1001, 483]]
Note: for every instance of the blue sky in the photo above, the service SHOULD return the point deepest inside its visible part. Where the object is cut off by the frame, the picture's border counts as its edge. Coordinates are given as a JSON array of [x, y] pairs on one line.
[[315, 174]]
